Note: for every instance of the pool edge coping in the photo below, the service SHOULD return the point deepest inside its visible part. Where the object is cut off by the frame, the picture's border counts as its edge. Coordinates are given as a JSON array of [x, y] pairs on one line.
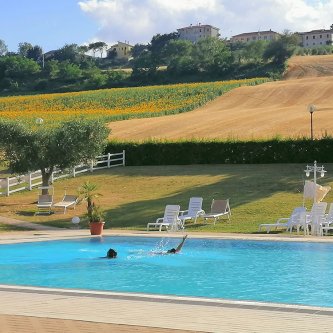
[[171, 299]]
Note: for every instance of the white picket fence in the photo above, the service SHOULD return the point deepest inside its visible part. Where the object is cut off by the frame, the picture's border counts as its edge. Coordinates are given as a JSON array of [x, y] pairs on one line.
[[11, 185]]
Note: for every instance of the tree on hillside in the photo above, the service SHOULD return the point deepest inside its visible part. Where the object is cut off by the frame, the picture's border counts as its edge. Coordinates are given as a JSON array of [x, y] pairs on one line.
[[178, 57], [52, 68], [98, 47], [72, 142], [68, 52], [17, 67], [143, 67], [157, 44], [102, 48], [254, 51], [138, 49], [279, 50], [176, 48], [35, 53], [82, 50], [3, 48], [69, 71], [23, 48], [212, 55]]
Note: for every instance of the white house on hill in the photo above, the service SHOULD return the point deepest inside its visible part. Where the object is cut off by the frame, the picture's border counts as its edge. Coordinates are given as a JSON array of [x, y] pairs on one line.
[[255, 36], [122, 50], [316, 38], [194, 33]]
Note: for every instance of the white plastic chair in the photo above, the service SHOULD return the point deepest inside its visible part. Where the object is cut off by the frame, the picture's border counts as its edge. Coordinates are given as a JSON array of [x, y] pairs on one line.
[[194, 210], [296, 220], [170, 220], [327, 222], [316, 218]]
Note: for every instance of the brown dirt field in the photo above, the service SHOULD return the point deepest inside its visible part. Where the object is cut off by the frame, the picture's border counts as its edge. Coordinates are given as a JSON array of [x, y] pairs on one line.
[[309, 66], [269, 110]]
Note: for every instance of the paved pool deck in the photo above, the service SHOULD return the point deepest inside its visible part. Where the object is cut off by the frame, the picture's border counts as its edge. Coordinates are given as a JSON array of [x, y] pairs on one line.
[[29, 309]]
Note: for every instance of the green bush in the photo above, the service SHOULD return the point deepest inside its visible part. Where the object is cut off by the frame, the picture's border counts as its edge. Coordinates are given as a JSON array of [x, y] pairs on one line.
[[224, 152]]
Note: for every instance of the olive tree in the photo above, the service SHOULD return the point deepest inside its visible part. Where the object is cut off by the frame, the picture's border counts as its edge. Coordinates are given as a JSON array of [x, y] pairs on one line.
[[29, 148]]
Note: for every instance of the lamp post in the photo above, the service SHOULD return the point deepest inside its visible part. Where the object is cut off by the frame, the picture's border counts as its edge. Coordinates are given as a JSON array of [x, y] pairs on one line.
[[315, 169], [311, 108]]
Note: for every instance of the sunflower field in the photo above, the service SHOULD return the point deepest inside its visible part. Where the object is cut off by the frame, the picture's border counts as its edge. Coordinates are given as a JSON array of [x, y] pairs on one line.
[[118, 103]]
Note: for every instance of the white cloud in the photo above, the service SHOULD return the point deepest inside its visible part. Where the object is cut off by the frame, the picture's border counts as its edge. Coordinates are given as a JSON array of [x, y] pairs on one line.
[[138, 20]]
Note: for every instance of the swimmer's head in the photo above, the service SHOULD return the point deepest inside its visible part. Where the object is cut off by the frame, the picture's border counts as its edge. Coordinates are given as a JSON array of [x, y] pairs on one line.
[[111, 254]]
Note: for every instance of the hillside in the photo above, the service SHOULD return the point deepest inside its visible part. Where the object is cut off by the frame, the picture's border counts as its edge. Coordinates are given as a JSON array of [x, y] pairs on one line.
[[309, 66], [271, 109]]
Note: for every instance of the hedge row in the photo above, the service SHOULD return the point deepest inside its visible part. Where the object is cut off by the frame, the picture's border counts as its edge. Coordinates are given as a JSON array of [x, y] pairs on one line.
[[218, 152]]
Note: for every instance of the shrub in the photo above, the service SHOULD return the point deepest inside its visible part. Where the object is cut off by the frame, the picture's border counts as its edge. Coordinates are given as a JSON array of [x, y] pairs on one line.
[[225, 152]]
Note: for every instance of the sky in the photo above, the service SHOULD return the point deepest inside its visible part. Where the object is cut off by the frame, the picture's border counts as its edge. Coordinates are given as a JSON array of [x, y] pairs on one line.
[[53, 23]]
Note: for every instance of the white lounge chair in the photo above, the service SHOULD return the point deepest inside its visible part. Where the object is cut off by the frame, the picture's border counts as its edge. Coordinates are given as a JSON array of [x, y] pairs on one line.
[[316, 218], [218, 209], [327, 223], [170, 220], [44, 204], [66, 202], [194, 210], [297, 219]]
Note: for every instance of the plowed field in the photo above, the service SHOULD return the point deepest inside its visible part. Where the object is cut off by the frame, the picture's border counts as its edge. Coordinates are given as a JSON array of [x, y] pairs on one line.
[[265, 111]]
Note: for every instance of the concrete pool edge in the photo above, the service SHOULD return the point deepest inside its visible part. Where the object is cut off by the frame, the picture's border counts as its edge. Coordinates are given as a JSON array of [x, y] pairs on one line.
[[49, 235], [170, 299]]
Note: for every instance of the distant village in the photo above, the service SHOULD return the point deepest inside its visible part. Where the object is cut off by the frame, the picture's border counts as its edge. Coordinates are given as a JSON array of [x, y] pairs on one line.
[[199, 31]]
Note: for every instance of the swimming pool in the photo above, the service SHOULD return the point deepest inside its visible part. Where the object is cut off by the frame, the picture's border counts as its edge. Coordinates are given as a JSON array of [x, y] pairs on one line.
[[282, 272]]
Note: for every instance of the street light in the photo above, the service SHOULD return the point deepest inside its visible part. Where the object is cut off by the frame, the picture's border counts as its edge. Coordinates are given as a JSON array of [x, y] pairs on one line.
[[311, 108], [315, 169]]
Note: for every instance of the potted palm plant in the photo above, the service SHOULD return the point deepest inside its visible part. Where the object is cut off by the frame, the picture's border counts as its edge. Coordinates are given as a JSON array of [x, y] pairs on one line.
[[96, 221], [87, 192]]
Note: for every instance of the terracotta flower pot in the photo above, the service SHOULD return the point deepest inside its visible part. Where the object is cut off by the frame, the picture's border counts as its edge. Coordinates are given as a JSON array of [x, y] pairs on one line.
[[96, 228]]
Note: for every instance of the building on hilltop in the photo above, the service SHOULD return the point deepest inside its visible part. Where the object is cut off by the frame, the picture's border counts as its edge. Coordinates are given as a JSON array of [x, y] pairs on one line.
[[122, 51], [255, 36], [194, 33], [316, 38]]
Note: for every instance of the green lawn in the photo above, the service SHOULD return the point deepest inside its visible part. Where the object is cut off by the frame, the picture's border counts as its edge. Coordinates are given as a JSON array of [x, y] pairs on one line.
[[133, 196]]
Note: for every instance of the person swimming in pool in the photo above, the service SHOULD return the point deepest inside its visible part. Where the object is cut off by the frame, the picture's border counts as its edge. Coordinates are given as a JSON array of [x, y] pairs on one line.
[[178, 248], [111, 254]]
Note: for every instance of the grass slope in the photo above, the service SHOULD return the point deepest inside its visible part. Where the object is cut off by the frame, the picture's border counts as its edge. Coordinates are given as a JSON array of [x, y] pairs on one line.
[[133, 196]]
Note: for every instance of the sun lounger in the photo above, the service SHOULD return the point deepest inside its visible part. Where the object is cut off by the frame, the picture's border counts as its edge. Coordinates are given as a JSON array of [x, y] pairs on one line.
[[66, 202], [44, 204], [169, 221], [219, 208], [296, 220], [194, 210]]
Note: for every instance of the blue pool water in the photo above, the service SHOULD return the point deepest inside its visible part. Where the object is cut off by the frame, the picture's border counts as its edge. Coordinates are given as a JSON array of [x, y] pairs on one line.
[[283, 272]]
